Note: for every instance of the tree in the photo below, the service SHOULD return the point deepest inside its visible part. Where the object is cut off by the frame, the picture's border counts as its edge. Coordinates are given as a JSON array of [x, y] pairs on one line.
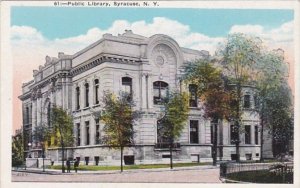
[[41, 135], [176, 108], [213, 93], [62, 126], [238, 56], [281, 119], [17, 149], [119, 117], [274, 95]]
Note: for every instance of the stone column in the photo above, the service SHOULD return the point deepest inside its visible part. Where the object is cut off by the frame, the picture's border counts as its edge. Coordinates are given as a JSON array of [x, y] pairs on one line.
[[82, 133], [33, 114], [252, 132], [92, 131], [143, 91], [149, 90]]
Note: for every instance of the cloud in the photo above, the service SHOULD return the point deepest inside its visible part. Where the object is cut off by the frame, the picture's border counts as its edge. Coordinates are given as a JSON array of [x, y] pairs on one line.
[[281, 36], [30, 46]]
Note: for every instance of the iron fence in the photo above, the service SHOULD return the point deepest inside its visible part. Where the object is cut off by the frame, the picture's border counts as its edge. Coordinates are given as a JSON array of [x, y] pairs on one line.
[[282, 171]]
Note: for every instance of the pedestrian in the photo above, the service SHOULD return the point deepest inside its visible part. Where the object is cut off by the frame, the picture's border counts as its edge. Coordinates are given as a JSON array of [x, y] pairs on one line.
[[76, 164], [68, 165]]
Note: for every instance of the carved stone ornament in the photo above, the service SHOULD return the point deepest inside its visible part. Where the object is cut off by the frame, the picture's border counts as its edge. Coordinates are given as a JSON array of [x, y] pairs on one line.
[[163, 54]]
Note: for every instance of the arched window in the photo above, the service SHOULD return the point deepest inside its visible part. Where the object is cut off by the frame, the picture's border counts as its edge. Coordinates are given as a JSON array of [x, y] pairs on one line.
[[87, 89], [127, 86], [160, 92], [77, 98], [193, 95], [96, 83]]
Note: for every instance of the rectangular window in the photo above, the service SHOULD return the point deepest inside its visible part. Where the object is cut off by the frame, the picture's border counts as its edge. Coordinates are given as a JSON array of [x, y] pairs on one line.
[[96, 82], [246, 101], [247, 134], [87, 126], [97, 141], [96, 160], [127, 87], [194, 137], [78, 134], [256, 102], [233, 134], [87, 90], [193, 95], [256, 135], [77, 98]]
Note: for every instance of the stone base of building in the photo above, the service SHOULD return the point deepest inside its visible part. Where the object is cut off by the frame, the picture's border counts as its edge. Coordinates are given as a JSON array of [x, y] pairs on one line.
[[149, 154]]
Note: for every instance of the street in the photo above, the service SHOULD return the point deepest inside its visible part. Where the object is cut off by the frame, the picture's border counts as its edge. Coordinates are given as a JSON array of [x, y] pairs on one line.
[[196, 175]]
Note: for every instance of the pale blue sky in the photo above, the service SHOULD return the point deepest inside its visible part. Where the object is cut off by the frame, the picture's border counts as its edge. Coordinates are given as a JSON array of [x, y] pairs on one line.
[[67, 22]]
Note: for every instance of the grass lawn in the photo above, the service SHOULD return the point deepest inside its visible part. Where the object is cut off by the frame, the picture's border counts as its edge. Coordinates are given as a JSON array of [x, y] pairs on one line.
[[262, 176], [128, 167]]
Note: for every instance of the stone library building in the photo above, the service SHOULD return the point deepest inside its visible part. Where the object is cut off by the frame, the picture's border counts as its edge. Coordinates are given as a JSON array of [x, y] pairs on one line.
[[147, 67]]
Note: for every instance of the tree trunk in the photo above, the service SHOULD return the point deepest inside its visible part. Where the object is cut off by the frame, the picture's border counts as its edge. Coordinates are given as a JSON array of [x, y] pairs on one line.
[[215, 142], [237, 144], [171, 154], [121, 158], [62, 159], [261, 138]]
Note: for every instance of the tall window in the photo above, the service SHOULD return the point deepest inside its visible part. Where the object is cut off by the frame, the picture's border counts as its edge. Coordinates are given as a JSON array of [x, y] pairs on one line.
[[77, 98], [78, 134], [87, 131], [193, 95], [194, 136], [87, 89], [246, 101], [161, 137], [96, 82], [27, 115], [127, 86], [247, 134], [49, 114], [233, 134], [160, 90], [256, 135], [97, 138], [256, 102]]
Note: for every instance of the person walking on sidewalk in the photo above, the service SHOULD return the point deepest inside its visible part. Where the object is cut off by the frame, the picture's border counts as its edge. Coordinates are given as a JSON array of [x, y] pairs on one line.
[[68, 165], [76, 164]]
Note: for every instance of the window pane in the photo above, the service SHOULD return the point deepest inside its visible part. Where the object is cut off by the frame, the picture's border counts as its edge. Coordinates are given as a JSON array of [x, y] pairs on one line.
[[247, 101], [247, 134], [194, 137]]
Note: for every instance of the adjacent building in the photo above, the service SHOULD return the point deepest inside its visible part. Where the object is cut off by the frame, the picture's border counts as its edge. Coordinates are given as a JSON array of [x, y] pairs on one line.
[[147, 68]]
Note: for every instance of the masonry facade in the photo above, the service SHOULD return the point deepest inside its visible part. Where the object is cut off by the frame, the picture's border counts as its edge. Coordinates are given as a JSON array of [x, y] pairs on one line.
[[147, 68]]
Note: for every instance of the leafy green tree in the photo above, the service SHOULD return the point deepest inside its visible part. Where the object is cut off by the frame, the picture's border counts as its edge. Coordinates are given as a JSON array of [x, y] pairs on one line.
[[176, 108], [119, 117], [213, 93], [17, 149], [238, 56], [274, 97], [62, 126], [41, 135]]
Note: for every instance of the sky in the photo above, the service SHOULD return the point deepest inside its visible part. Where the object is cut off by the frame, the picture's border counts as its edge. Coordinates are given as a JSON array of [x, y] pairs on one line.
[[40, 31]]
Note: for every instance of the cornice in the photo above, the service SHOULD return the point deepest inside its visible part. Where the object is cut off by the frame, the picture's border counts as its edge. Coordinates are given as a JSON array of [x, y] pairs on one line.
[[101, 59]]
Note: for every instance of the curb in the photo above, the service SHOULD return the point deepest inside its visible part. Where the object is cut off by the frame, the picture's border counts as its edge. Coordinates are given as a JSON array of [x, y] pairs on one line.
[[57, 172]]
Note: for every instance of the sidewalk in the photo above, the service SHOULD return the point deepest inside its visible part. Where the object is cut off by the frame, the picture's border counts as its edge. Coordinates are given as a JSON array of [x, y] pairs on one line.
[[58, 172]]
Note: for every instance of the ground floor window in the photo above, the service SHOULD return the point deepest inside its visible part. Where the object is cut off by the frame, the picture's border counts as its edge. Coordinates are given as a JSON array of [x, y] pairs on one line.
[[194, 128], [129, 159]]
